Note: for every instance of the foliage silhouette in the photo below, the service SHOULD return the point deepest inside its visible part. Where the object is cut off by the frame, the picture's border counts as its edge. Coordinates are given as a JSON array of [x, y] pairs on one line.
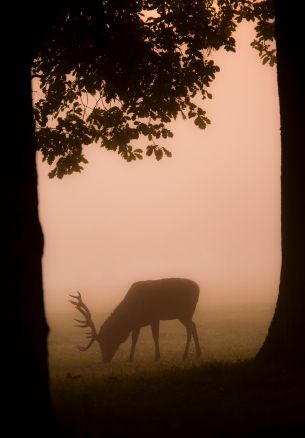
[[113, 72]]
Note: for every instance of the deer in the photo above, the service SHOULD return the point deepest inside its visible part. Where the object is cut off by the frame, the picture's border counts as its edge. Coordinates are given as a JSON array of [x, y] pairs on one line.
[[146, 303]]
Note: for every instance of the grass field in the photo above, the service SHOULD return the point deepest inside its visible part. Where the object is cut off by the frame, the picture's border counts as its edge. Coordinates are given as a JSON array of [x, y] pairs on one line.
[[224, 394]]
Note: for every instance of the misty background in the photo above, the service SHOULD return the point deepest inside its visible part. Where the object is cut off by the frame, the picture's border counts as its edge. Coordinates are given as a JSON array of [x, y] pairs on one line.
[[210, 213]]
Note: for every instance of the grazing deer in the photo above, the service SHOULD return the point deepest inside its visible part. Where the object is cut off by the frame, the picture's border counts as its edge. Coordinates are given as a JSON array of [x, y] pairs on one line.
[[146, 303]]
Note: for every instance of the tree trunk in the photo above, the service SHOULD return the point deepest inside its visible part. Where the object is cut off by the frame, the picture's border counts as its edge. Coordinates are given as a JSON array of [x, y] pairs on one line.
[[285, 341], [27, 396]]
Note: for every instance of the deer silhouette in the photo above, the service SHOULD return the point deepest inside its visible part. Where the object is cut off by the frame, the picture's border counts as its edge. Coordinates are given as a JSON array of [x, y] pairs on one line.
[[146, 303]]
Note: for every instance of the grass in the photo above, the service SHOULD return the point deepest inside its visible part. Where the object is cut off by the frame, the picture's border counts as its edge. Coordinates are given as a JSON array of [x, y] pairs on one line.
[[211, 400], [226, 395]]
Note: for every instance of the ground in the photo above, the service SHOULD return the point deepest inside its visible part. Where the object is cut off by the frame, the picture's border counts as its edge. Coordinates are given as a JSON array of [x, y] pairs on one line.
[[224, 394]]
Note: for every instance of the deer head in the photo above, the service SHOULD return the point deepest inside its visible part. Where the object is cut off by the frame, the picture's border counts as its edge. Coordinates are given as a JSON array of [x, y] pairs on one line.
[[108, 345]]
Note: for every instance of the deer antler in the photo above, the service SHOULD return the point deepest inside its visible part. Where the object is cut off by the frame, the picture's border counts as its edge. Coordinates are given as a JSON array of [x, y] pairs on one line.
[[83, 309]]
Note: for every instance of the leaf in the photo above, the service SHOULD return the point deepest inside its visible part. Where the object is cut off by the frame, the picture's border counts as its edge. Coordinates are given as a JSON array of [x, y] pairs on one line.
[[158, 154], [200, 122], [191, 114], [149, 150], [167, 152], [200, 111]]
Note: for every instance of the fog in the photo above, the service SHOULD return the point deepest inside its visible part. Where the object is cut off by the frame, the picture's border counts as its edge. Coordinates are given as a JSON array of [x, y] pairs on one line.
[[210, 213]]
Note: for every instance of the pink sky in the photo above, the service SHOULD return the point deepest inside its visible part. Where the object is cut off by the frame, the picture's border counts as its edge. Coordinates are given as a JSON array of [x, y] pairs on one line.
[[210, 213]]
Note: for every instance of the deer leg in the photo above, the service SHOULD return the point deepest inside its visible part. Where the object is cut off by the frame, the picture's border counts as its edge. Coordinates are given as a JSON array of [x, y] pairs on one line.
[[188, 327], [134, 337], [196, 340], [155, 334]]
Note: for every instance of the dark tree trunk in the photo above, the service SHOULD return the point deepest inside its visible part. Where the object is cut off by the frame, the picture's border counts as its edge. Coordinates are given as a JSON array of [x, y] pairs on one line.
[[26, 374], [25, 379], [285, 342]]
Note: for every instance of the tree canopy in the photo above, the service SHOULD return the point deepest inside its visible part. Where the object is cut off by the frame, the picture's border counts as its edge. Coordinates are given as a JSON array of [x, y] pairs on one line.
[[112, 72]]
